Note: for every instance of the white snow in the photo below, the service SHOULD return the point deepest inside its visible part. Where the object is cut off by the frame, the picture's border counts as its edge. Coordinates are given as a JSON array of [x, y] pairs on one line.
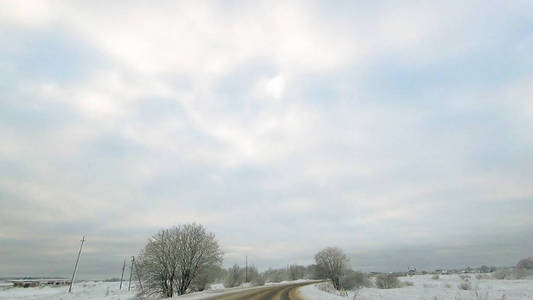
[[216, 286], [446, 287], [80, 291]]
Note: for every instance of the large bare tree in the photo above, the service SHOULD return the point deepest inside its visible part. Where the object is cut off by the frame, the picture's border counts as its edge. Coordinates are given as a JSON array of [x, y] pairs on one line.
[[332, 262], [174, 257]]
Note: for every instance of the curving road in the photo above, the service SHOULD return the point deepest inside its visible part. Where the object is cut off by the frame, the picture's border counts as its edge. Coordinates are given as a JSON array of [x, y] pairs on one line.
[[276, 292]]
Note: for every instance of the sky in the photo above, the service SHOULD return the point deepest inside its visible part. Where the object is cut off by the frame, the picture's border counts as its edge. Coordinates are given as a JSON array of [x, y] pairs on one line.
[[399, 131]]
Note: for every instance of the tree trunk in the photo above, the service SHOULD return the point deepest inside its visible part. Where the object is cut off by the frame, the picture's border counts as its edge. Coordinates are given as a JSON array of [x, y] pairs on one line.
[[336, 283]]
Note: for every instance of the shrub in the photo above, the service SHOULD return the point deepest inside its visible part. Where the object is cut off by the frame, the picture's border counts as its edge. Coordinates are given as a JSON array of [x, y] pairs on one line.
[[387, 281], [355, 280], [465, 285], [326, 287], [234, 276], [435, 277], [259, 280], [275, 275], [501, 274], [526, 263], [518, 273], [484, 269], [173, 259], [296, 272]]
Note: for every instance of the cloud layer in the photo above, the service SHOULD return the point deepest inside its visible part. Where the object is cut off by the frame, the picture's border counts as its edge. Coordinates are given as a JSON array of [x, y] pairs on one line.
[[283, 127]]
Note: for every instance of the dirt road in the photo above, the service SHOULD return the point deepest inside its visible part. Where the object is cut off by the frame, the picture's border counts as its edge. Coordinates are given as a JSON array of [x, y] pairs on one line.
[[276, 292]]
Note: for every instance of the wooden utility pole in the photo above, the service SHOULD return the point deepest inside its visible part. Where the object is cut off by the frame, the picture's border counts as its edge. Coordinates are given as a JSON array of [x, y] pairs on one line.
[[131, 271], [76, 265], [122, 276], [138, 277], [246, 272]]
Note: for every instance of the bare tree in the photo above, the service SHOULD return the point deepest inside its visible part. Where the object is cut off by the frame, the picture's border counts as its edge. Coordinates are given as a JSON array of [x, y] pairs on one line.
[[332, 262], [275, 275], [296, 272], [174, 257], [235, 276], [526, 263]]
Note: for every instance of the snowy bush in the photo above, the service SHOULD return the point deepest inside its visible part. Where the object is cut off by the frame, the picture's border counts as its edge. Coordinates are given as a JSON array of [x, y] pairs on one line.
[[234, 276], [510, 274], [259, 280], [174, 257], [435, 277], [526, 263], [275, 275], [354, 280], [327, 287], [296, 272], [465, 285], [206, 277], [387, 281]]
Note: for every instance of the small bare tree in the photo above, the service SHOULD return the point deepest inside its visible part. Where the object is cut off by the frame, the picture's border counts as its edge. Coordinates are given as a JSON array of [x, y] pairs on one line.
[[235, 276], [174, 257], [296, 272], [331, 263]]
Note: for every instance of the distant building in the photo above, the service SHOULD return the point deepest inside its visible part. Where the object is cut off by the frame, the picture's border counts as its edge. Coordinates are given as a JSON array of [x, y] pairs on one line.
[[411, 271], [26, 283]]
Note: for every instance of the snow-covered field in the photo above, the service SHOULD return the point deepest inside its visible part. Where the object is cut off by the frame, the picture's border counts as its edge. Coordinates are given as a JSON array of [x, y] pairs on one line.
[[104, 290], [446, 287], [80, 291]]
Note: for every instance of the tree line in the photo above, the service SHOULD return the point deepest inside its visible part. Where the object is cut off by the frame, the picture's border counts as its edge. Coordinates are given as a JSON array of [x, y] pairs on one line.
[[188, 258]]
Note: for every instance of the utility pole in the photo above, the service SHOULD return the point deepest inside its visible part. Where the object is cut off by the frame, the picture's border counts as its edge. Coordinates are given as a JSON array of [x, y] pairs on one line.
[[131, 271], [122, 276], [76, 265], [246, 272], [138, 277]]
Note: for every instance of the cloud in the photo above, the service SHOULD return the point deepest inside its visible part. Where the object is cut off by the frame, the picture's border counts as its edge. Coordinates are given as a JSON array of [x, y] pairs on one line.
[[283, 127]]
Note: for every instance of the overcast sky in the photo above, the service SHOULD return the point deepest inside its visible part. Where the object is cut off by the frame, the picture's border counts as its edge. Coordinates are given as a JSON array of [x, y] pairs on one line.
[[400, 131]]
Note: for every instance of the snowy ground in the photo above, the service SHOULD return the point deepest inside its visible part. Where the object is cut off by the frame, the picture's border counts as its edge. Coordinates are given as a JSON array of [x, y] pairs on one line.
[[80, 291], [446, 287], [103, 290]]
